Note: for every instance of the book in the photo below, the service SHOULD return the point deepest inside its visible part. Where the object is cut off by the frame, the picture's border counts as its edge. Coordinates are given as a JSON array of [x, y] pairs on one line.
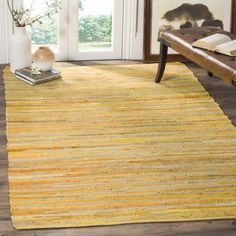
[[33, 77], [220, 43], [38, 82]]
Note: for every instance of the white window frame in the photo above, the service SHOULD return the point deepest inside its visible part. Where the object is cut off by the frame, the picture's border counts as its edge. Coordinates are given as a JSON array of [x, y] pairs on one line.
[[133, 30], [5, 32], [114, 53]]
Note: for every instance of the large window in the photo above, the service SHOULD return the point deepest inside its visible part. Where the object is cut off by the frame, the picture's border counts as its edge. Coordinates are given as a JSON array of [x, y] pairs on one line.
[[83, 29], [46, 32], [95, 25]]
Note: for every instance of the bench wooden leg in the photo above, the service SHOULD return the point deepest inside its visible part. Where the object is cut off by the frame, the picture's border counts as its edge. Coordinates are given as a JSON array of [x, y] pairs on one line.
[[209, 73], [162, 62]]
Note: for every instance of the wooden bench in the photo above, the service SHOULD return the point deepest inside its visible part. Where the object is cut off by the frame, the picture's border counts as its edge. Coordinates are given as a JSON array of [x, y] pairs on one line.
[[181, 41]]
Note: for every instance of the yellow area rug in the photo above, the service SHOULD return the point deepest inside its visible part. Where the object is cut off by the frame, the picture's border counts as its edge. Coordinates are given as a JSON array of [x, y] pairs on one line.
[[106, 145]]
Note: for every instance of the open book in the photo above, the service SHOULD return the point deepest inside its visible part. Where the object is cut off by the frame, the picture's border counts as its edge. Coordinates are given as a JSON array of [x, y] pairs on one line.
[[218, 43]]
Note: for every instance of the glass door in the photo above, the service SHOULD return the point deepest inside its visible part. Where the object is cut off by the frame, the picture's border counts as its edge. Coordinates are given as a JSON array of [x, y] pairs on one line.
[[51, 32], [82, 30], [95, 29]]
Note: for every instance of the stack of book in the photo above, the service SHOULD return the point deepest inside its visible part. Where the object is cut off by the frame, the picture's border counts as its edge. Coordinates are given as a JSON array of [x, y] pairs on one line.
[[33, 77]]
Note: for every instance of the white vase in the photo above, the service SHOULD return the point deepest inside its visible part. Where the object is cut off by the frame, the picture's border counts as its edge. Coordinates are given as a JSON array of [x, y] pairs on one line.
[[20, 49]]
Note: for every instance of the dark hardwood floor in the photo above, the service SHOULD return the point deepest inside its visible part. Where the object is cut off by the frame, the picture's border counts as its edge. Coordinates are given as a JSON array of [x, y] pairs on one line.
[[223, 94]]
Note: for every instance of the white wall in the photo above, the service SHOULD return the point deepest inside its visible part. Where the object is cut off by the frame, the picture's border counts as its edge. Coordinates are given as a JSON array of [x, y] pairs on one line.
[[3, 33], [138, 47]]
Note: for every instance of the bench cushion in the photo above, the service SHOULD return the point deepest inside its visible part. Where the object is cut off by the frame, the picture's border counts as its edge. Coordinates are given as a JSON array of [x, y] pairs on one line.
[[220, 65]]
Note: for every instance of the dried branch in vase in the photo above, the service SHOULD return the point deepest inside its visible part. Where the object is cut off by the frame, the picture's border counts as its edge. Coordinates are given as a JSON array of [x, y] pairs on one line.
[[23, 17]]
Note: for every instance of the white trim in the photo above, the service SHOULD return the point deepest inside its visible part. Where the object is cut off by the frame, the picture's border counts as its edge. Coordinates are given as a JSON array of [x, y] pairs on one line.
[[114, 53], [133, 30], [63, 32], [4, 32], [73, 30], [129, 28], [138, 45], [9, 32]]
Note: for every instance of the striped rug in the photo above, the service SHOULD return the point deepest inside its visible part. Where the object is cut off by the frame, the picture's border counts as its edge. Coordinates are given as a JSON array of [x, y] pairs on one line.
[[106, 145]]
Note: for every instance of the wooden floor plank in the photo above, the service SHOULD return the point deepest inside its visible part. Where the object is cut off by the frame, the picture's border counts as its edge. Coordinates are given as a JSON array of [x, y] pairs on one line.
[[223, 94]]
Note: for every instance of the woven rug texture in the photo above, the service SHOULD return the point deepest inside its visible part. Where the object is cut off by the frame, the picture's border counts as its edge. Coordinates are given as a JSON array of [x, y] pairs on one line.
[[106, 145]]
